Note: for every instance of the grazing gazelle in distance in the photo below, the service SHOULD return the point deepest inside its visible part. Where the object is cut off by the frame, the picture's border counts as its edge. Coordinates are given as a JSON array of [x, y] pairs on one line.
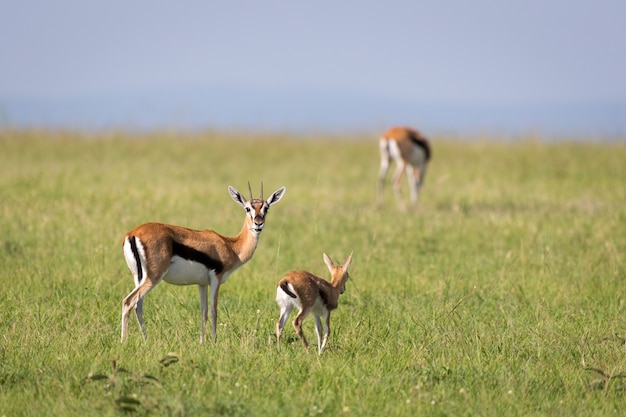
[[181, 256], [410, 150], [311, 294]]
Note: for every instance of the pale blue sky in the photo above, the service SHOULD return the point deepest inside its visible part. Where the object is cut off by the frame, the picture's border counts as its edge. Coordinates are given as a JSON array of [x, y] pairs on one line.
[[450, 52]]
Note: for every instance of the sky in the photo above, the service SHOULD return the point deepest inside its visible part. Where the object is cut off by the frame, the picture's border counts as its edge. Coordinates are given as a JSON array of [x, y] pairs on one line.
[[448, 65]]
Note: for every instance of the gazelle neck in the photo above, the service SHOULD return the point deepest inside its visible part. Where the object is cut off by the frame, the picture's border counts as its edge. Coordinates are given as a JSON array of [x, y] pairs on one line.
[[339, 284], [245, 243]]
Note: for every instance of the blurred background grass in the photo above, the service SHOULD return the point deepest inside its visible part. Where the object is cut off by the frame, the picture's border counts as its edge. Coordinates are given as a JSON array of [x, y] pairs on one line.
[[492, 298]]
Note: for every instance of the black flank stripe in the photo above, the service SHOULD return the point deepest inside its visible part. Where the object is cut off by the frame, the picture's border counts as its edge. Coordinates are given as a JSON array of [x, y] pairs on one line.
[[324, 297], [192, 254], [285, 287], [133, 247], [422, 143]]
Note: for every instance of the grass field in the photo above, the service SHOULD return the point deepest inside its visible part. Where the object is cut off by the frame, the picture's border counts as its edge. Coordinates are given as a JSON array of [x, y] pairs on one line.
[[502, 295]]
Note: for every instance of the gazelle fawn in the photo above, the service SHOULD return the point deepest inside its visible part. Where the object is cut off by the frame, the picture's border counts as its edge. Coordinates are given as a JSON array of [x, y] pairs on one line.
[[311, 294], [158, 252], [411, 152]]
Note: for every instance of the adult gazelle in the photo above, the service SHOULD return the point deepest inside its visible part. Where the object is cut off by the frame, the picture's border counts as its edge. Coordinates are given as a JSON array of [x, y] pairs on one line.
[[158, 252], [411, 152]]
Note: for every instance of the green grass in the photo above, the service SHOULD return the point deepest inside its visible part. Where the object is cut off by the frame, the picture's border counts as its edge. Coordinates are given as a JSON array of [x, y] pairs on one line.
[[502, 295]]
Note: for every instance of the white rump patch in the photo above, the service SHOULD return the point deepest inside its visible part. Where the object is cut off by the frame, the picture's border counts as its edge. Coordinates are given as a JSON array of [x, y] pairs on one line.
[[284, 300], [131, 261]]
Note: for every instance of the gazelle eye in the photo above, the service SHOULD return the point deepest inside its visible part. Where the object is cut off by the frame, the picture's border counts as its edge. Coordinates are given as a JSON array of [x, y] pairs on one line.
[[247, 209]]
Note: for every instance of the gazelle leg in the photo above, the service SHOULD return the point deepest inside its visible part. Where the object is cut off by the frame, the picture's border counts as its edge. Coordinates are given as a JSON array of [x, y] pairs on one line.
[[125, 314], [418, 175], [326, 332], [385, 160], [131, 301], [204, 309], [412, 175], [297, 324], [280, 324], [397, 183], [318, 331], [139, 314], [420, 180], [215, 287]]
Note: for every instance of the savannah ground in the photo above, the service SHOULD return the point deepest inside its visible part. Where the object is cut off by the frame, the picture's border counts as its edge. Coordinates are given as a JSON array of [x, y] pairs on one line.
[[504, 294]]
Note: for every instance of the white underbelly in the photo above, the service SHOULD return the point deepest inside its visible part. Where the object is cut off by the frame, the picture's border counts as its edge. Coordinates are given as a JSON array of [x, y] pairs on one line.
[[319, 309], [418, 157], [185, 272]]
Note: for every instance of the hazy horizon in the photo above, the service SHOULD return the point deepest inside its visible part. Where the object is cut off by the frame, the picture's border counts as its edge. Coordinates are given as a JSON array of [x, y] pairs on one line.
[[522, 66]]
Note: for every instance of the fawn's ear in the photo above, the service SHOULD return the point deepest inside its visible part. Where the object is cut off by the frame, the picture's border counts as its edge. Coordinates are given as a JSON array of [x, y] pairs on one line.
[[329, 262], [346, 264]]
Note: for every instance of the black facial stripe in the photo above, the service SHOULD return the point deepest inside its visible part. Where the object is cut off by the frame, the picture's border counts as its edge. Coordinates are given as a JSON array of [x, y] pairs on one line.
[[192, 254], [133, 247]]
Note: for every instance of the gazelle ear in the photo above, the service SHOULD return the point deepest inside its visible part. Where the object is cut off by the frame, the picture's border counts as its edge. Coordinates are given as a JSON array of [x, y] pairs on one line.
[[346, 264], [329, 262], [276, 196], [236, 196]]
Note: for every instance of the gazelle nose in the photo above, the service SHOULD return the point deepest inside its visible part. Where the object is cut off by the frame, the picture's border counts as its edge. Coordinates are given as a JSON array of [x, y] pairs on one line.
[[258, 221]]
